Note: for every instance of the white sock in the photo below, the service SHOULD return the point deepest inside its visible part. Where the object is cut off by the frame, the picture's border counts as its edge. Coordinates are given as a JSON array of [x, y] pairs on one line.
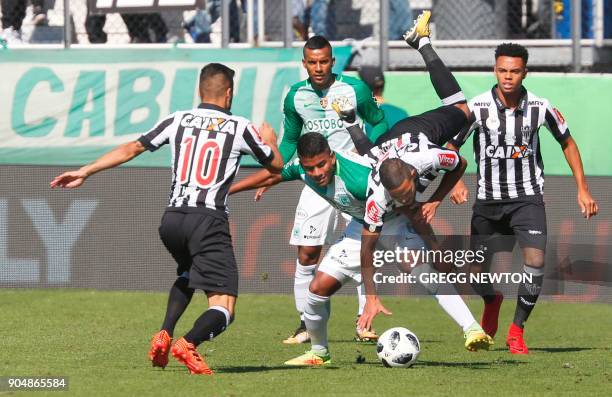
[[301, 281], [316, 316], [361, 298], [423, 41], [447, 297], [455, 307]]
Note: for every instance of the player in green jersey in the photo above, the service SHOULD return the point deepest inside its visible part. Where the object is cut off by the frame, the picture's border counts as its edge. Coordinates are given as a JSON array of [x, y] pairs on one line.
[[307, 108]]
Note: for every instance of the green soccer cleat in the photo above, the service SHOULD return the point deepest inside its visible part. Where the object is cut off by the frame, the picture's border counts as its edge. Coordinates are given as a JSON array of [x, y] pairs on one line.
[[419, 29], [310, 359]]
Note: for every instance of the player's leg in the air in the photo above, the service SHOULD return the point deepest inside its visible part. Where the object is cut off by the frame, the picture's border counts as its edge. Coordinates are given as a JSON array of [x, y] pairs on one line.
[[442, 79]]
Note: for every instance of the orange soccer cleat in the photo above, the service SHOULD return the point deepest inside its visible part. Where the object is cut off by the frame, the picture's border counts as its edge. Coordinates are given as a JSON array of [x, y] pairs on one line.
[[186, 353], [160, 347]]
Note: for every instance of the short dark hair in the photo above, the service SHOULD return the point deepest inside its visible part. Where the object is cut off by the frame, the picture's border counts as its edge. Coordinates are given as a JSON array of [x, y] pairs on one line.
[[393, 172], [215, 79], [512, 50], [373, 76], [312, 144], [317, 43]]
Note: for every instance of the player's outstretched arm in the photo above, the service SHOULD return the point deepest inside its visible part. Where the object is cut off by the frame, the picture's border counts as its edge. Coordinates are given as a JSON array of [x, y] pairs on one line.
[[587, 204], [269, 137], [449, 180], [373, 304], [459, 194], [119, 155], [263, 178]]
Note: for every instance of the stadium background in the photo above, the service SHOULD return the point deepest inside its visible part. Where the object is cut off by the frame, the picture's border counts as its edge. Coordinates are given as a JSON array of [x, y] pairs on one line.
[[63, 107]]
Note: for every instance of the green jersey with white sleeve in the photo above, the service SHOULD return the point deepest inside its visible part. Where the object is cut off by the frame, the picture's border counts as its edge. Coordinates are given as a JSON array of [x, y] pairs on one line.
[[307, 109]]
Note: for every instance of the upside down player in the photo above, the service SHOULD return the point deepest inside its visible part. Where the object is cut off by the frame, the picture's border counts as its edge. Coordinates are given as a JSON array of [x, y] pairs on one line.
[[342, 179], [307, 108], [399, 152], [511, 181], [207, 143]]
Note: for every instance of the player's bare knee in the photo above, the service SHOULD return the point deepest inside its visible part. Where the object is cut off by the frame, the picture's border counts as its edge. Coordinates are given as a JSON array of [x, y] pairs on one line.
[[309, 255], [323, 285], [533, 257], [223, 300]]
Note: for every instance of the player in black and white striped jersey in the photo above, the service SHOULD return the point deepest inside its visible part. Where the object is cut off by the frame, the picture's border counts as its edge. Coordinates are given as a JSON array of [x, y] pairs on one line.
[[207, 143], [507, 120], [507, 144]]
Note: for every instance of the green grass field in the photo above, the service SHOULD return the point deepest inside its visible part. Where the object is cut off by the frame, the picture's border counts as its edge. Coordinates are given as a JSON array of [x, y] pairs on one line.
[[100, 340]]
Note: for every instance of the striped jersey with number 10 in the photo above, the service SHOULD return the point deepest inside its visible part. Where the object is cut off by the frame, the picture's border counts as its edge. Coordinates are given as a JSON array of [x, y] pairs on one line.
[[206, 145], [507, 144]]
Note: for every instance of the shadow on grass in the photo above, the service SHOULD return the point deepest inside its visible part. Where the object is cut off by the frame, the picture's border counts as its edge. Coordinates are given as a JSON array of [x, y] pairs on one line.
[[560, 349], [470, 365], [550, 349], [261, 368], [364, 343]]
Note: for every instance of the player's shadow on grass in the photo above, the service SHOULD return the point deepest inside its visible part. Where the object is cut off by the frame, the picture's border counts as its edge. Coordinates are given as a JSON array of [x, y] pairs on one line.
[[560, 349], [242, 369], [247, 369], [357, 343], [470, 365]]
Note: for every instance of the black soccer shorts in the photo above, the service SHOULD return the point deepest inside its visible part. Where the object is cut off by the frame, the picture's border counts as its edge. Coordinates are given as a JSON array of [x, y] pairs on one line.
[[201, 244], [496, 225], [439, 125]]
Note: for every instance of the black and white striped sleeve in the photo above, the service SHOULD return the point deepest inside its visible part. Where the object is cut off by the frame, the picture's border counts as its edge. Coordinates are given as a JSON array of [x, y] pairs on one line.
[[255, 146], [555, 122], [463, 135], [159, 135]]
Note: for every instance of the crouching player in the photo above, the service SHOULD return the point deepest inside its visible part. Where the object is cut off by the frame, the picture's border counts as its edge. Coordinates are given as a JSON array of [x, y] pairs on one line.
[[341, 178]]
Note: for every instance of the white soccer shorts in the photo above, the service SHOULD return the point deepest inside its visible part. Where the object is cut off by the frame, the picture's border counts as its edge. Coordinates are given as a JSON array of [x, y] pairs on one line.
[[315, 220], [343, 259]]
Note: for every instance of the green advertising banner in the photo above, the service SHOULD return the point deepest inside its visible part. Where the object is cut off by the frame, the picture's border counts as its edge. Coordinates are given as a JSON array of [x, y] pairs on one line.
[[67, 107], [585, 100]]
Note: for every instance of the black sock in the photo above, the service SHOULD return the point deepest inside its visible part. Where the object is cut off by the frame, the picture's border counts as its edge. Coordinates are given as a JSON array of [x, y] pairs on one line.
[[528, 293], [210, 324], [485, 290], [444, 82], [178, 299]]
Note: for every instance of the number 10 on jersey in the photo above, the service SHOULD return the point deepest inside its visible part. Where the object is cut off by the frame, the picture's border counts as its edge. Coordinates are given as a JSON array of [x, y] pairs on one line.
[[199, 161]]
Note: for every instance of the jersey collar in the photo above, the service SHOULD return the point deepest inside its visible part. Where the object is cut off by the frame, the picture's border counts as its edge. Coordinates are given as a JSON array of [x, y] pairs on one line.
[[522, 106], [320, 92], [211, 106]]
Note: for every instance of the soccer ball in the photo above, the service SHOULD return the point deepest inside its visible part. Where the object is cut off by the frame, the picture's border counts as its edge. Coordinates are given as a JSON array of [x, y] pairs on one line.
[[398, 347]]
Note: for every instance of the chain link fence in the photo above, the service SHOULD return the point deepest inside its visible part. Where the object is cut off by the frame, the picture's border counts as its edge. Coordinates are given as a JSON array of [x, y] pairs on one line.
[[42, 21], [463, 30]]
